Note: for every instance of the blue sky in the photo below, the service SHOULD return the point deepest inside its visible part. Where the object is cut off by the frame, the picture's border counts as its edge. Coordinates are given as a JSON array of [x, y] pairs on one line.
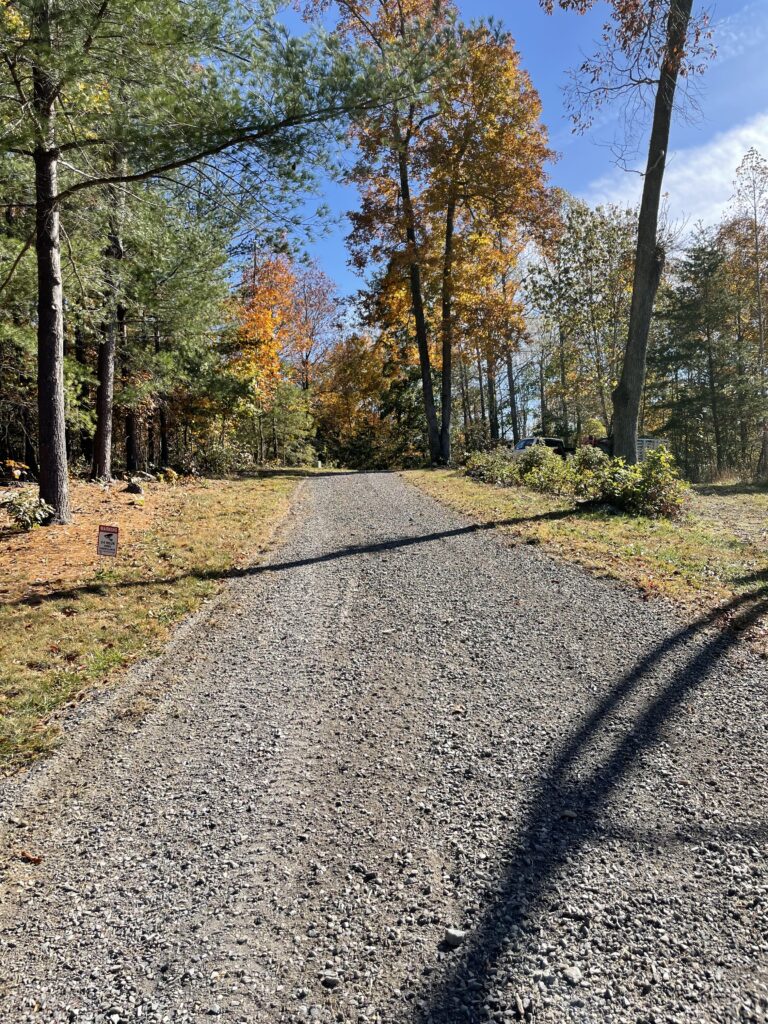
[[729, 115]]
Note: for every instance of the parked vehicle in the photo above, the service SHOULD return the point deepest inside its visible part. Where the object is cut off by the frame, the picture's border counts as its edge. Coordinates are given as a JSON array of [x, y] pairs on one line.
[[555, 443], [644, 445]]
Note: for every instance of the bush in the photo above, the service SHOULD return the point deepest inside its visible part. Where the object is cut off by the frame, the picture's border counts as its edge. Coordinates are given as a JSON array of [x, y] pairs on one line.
[[541, 469], [652, 488], [26, 509], [494, 467], [589, 466]]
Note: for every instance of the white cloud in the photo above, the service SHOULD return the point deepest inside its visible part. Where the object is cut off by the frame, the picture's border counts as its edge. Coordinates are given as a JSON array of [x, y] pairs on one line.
[[739, 32], [698, 180]]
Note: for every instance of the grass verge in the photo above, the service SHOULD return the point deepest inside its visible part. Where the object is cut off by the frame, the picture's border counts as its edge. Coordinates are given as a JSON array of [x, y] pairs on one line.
[[70, 621], [711, 557]]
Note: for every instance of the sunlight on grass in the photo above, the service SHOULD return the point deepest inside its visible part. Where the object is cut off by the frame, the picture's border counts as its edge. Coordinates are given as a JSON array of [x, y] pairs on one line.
[[57, 644], [701, 560]]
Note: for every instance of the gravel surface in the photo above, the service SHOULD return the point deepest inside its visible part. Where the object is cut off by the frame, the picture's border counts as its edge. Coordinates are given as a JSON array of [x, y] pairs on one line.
[[402, 773]]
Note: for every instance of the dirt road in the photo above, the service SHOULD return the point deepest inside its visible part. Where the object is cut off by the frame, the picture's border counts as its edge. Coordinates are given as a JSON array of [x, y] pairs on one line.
[[402, 773]]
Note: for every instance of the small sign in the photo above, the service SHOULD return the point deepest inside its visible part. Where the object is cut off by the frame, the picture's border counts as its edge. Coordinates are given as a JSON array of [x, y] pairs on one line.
[[107, 540]]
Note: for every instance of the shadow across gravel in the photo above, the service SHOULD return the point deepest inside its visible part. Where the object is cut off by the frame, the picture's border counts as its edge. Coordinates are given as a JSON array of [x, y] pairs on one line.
[[350, 551], [569, 801]]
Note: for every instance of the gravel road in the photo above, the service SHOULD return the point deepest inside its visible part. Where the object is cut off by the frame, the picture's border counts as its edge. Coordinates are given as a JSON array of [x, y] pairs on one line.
[[402, 773]]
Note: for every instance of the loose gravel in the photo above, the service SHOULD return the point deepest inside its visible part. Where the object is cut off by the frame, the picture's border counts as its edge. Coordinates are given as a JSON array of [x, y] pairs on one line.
[[402, 773]]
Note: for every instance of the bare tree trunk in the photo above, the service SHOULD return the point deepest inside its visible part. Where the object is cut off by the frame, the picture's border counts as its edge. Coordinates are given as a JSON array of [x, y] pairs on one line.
[[446, 377], [464, 395], [162, 418], [649, 258], [543, 397], [131, 443], [512, 398], [105, 392], [114, 254], [417, 303], [54, 482], [715, 406], [493, 411], [481, 389], [563, 385]]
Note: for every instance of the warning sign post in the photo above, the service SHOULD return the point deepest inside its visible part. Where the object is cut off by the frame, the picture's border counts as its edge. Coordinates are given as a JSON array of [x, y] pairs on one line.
[[107, 544]]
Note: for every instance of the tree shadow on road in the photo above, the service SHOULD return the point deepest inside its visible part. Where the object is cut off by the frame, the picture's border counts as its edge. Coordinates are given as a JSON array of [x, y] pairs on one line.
[[574, 791], [350, 551]]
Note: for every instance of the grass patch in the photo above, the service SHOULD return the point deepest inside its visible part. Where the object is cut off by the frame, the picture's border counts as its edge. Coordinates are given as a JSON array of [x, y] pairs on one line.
[[709, 557], [69, 620]]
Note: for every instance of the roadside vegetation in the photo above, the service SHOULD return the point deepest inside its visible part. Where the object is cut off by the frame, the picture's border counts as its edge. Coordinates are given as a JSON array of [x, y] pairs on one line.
[[70, 620], [714, 551]]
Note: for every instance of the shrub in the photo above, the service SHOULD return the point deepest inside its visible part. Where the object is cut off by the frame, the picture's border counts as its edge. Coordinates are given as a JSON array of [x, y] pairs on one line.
[[652, 488], [539, 468], [26, 509], [589, 466], [494, 467]]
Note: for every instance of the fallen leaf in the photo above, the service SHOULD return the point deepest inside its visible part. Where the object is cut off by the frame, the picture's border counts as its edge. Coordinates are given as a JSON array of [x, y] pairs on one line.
[[29, 858]]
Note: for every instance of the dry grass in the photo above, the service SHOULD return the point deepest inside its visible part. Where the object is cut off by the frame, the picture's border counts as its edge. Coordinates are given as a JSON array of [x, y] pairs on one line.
[[717, 553], [69, 619]]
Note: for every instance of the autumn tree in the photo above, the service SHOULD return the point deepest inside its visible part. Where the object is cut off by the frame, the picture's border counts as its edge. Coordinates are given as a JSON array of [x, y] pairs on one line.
[[464, 159]]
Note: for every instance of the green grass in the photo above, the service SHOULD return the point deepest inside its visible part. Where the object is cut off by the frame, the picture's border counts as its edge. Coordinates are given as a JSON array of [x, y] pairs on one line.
[[58, 643], [709, 557]]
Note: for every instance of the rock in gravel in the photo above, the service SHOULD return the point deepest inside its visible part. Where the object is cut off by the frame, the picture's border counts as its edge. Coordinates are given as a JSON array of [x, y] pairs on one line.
[[572, 975], [454, 937]]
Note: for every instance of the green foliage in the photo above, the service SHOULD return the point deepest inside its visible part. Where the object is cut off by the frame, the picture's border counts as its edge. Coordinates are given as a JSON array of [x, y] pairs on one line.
[[26, 509], [651, 488]]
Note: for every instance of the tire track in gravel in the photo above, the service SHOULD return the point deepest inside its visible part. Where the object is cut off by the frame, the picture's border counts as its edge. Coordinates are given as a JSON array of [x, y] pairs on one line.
[[396, 725]]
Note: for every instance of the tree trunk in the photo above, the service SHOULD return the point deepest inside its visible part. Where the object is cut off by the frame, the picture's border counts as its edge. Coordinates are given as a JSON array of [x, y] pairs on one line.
[[714, 404], [105, 391], [542, 398], [54, 482], [481, 388], [162, 418], [131, 443], [464, 396], [493, 411], [649, 258], [446, 376], [417, 303], [512, 398], [563, 386], [86, 438], [149, 460], [114, 254]]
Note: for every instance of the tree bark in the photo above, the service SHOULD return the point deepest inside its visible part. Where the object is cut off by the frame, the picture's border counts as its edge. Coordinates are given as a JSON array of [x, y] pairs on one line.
[[649, 258], [54, 482], [446, 375], [114, 254], [493, 411], [131, 443], [162, 418], [105, 392], [481, 386], [512, 398], [714, 405], [417, 302]]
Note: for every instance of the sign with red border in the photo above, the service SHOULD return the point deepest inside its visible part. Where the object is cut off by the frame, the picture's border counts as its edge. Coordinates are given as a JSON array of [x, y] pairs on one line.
[[107, 544]]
